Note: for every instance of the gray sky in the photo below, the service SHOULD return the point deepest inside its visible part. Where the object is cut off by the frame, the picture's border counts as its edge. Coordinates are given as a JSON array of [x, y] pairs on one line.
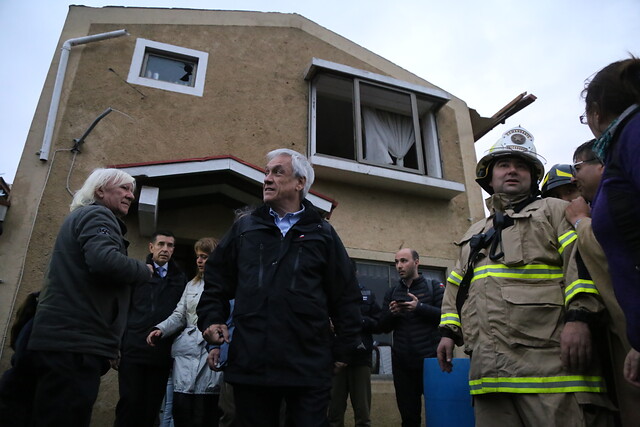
[[485, 53]]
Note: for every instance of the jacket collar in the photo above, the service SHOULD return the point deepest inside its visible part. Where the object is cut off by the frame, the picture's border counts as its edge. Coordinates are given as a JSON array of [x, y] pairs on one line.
[[308, 216], [501, 202], [414, 282]]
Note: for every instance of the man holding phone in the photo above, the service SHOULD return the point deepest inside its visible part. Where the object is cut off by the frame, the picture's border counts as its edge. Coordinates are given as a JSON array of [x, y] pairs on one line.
[[411, 309]]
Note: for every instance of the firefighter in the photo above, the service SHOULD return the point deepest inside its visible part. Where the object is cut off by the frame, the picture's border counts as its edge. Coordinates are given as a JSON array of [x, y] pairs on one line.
[[516, 304], [557, 183]]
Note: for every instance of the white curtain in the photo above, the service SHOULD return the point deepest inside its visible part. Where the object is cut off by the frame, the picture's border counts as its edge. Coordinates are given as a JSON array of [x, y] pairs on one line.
[[387, 133]]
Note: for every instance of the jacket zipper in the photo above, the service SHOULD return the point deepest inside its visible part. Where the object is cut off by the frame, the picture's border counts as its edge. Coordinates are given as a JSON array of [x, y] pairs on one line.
[[295, 268], [260, 274]]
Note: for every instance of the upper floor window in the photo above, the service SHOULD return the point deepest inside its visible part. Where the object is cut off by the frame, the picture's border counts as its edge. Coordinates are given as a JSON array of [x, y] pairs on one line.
[[373, 119], [168, 67]]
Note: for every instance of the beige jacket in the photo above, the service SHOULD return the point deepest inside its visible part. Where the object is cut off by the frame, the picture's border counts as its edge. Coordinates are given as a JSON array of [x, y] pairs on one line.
[[514, 314], [595, 260]]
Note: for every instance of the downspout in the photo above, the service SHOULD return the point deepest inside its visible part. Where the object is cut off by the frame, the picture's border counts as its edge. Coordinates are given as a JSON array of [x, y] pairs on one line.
[[57, 87]]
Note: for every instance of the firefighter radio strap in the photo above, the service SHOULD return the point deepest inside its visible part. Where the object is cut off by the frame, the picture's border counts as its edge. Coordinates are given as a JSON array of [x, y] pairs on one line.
[[492, 239]]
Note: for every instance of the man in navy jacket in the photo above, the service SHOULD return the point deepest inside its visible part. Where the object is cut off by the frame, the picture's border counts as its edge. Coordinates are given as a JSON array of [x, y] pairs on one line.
[[289, 274]]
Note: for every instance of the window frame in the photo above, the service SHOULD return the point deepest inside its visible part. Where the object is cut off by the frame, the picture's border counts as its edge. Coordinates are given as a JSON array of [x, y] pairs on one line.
[[144, 46], [428, 150], [416, 128]]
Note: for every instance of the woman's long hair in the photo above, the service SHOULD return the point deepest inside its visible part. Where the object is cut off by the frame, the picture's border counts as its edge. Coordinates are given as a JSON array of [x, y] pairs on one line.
[[206, 245]]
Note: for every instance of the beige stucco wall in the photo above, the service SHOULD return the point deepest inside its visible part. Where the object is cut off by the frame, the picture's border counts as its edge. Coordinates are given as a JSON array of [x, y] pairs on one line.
[[255, 100]]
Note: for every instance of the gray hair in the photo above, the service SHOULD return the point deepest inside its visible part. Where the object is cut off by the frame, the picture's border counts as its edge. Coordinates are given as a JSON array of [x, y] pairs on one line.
[[301, 166], [99, 178]]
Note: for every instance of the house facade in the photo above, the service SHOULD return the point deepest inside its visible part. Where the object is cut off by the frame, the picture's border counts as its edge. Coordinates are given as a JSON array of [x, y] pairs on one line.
[[190, 101]]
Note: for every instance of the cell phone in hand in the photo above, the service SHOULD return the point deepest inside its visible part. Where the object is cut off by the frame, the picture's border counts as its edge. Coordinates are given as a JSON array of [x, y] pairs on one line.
[[401, 297]]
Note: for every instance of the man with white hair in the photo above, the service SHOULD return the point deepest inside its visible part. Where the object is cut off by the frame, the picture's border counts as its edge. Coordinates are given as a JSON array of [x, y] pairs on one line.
[[289, 274], [84, 301]]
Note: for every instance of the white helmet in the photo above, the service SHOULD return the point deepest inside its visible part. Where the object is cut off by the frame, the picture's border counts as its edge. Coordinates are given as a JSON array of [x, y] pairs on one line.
[[516, 142]]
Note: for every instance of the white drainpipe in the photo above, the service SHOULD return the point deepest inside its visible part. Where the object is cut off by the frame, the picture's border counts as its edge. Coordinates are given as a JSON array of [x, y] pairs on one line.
[[57, 87]]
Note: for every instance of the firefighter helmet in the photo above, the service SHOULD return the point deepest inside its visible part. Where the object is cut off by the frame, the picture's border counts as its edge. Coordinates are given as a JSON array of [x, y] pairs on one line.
[[516, 142], [558, 175]]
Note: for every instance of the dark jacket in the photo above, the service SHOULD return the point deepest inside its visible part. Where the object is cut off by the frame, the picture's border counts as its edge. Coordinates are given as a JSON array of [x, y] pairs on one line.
[[151, 303], [370, 311], [285, 290], [84, 302], [415, 334]]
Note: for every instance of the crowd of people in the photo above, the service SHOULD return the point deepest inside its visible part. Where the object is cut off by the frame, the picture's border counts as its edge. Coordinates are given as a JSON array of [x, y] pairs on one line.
[[276, 330]]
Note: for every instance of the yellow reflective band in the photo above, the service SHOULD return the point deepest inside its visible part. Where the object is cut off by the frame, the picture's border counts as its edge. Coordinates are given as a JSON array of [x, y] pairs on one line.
[[531, 271], [559, 384], [454, 278], [577, 287], [566, 239], [544, 181], [560, 173], [450, 319]]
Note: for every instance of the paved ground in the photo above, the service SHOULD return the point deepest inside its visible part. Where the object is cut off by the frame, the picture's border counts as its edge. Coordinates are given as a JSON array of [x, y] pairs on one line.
[[384, 411]]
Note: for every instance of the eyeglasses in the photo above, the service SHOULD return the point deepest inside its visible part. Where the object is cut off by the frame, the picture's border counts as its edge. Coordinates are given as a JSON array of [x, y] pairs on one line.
[[583, 118], [575, 168]]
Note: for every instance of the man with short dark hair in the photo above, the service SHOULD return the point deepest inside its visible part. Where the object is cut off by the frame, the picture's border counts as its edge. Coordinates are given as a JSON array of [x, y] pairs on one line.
[[411, 309], [143, 370], [289, 274], [587, 172], [82, 309]]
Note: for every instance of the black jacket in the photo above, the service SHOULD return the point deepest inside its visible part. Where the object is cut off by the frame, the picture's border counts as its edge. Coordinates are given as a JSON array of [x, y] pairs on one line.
[[285, 290], [415, 334], [370, 311], [151, 303], [84, 302]]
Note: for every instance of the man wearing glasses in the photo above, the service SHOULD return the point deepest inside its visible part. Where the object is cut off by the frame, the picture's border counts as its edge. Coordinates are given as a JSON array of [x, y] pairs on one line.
[[587, 172]]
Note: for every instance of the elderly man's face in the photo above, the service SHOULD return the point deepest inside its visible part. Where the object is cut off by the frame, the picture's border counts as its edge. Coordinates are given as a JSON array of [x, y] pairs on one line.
[[117, 198], [282, 189]]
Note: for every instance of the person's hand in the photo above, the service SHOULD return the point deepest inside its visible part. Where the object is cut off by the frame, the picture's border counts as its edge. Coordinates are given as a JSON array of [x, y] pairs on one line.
[[632, 367], [394, 308], [150, 266], [213, 358], [445, 354], [216, 334], [575, 346], [409, 305], [115, 363], [153, 337], [338, 366], [577, 209], [397, 308]]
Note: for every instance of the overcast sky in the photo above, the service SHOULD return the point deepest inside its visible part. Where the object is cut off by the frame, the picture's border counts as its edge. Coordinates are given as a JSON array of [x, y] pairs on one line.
[[484, 52]]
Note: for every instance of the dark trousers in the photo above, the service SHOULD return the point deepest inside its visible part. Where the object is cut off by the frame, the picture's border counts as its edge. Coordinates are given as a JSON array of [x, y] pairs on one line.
[[67, 387], [353, 381], [258, 406], [407, 380], [18, 384], [195, 410], [142, 388]]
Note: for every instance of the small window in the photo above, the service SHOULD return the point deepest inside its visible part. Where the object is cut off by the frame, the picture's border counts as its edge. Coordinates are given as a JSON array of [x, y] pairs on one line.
[[180, 71], [168, 67]]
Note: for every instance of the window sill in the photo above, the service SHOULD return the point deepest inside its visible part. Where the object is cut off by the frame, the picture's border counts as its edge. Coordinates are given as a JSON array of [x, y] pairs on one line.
[[334, 169]]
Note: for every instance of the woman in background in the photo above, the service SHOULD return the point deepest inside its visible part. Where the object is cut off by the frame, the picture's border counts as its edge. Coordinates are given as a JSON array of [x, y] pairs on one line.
[[196, 388]]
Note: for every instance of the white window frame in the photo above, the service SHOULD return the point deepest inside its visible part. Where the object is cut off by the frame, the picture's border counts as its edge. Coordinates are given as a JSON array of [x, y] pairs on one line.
[[137, 62], [382, 175]]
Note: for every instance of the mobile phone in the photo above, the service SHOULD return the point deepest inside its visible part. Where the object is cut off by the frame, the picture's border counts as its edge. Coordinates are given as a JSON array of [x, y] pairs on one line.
[[402, 297]]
